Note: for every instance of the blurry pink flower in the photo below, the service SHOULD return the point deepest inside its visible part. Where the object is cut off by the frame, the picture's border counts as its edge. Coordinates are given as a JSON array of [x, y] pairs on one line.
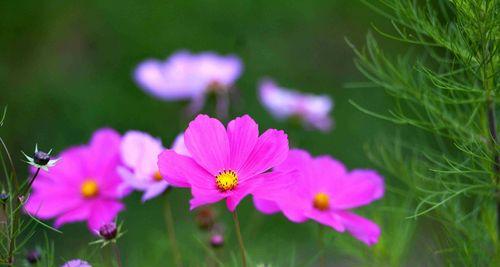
[[226, 164], [325, 192], [139, 153], [188, 76], [83, 186], [285, 103], [76, 263]]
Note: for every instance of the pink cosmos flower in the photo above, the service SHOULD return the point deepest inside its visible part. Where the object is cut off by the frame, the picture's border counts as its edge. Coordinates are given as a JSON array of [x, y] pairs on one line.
[[226, 163], [76, 263], [285, 103], [83, 186], [139, 153], [188, 76], [325, 192]]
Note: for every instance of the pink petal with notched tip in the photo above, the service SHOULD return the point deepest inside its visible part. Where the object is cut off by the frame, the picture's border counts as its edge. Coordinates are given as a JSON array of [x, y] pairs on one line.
[[207, 141], [266, 206], [327, 218], [179, 170], [270, 150], [50, 203], [139, 151], [77, 214], [358, 188], [154, 190], [103, 154], [361, 228], [243, 134], [275, 192], [325, 174], [179, 146]]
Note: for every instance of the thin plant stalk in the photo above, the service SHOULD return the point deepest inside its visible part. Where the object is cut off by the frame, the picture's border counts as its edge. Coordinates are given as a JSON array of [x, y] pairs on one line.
[[321, 243], [169, 220], [15, 220], [116, 251], [240, 239]]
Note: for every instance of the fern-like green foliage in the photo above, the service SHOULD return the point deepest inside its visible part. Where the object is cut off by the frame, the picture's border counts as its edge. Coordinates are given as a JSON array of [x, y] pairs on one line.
[[446, 85]]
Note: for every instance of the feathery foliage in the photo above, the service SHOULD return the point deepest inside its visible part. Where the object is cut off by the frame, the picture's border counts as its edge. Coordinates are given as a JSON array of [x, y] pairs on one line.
[[447, 85]]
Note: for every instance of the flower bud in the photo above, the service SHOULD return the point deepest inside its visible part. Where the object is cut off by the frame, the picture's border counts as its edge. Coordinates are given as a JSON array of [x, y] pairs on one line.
[[41, 158], [33, 256], [205, 218], [217, 241], [4, 197], [108, 231]]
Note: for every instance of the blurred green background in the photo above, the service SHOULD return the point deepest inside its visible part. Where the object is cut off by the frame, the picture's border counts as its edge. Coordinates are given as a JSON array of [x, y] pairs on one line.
[[65, 70]]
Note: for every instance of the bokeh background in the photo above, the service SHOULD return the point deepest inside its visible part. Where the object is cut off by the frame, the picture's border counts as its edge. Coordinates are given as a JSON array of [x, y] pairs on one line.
[[65, 70]]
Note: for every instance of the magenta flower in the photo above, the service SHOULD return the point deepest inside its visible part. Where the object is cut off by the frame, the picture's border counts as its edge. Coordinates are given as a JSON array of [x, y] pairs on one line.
[[325, 192], [76, 263], [285, 103], [188, 76], [226, 163], [83, 186]]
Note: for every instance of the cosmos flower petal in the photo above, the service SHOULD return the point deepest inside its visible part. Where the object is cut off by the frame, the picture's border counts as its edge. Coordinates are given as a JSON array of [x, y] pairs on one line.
[[361, 228], [202, 200], [326, 218], [358, 188], [80, 213], [207, 141], [154, 190], [102, 212], [42, 206], [274, 192], [139, 151], [103, 147], [243, 190], [179, 146], [270, 150], [296, 158], [69, 171], [243, 134], [266, 206], [76, 263], [187, 76], [284, 103], [178, 170], [130, 180], [321, 181]]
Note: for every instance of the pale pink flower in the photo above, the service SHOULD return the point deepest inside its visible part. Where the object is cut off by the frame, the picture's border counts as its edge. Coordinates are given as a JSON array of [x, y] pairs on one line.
[[83, 186], [76, 263], [325, 192], [139, 153], [283, 103], [226, 163], [188, 76]]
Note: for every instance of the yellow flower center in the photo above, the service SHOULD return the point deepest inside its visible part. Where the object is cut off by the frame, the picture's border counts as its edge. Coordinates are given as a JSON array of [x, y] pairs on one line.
[[321, 201], [89, 189], [157, 176], [226, 180]]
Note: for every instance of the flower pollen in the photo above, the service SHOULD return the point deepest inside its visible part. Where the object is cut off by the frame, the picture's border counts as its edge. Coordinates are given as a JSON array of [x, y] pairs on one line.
[[157, 176], [321, 201], [226, 180], [89, 189]]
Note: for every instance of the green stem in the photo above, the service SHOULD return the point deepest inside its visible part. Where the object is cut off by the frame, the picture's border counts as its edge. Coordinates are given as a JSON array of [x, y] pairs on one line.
[[240, 239], [15, 219], [171, 233], [489, 86], [116, 251], [321, 242]]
